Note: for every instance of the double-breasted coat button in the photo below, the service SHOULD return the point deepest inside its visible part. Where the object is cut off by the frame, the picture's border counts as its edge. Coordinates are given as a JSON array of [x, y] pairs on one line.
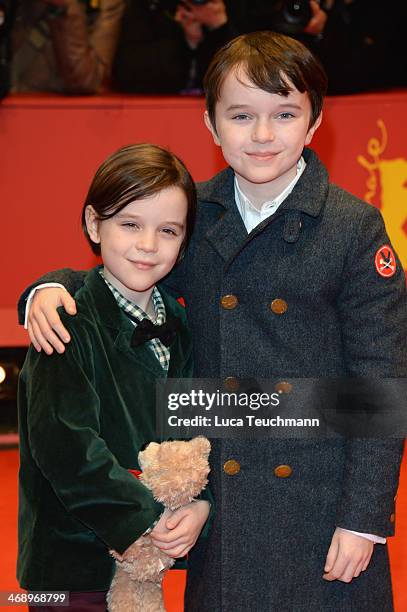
[[231, 383], [231, 467], [283, 387], [392, 517], [283, 471], [229, 302], [279, 306]]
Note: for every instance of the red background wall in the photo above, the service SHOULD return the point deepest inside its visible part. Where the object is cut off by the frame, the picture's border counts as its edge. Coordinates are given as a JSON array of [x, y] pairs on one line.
[[51, 146]]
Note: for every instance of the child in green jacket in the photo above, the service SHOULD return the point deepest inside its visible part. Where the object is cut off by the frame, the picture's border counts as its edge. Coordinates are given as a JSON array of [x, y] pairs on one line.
[[85, 415]]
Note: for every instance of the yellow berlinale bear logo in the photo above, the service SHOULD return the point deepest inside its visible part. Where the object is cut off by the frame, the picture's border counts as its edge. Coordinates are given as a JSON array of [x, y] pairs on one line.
[[387, 181]]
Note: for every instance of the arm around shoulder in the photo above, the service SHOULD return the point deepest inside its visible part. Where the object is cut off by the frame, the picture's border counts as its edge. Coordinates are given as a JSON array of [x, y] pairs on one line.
[[38, 310], [72, 280]]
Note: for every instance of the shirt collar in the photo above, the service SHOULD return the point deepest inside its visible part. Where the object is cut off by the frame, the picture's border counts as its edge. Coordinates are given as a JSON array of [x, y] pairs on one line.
[[134, 310], [244, 204]]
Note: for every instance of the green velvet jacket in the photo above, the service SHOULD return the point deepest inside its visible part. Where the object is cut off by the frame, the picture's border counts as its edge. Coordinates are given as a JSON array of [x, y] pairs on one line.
[[84, 416]]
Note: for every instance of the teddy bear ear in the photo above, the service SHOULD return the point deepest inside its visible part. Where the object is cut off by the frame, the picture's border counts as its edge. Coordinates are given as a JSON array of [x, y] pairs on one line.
[[152, 447], [147, 455], [201, 444]]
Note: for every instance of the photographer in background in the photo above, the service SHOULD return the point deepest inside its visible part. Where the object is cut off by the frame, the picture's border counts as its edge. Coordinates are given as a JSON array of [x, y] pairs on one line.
[[363, 47], [64, 46], [157, 53], [165, 46], [6, 21]]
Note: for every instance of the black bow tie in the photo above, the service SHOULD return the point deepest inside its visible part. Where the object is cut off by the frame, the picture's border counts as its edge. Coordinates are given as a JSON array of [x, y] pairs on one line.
[[146, 330]]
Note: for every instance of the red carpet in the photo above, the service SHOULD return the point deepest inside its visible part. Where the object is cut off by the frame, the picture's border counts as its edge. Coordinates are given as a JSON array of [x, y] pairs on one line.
[[174, 583]]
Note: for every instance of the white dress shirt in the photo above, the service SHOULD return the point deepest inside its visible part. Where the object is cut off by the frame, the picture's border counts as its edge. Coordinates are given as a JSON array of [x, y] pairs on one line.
[[251, 215]]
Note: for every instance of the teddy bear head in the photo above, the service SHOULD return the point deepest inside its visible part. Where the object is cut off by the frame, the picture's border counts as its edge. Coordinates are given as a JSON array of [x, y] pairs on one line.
[[175, 471]]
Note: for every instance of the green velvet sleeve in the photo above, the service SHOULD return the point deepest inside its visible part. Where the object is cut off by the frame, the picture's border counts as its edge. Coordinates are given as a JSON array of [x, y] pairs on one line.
[[64, 416]]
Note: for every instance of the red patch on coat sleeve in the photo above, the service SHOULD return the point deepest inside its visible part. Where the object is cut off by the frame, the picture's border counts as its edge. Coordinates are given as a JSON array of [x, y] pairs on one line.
[[385, 261]]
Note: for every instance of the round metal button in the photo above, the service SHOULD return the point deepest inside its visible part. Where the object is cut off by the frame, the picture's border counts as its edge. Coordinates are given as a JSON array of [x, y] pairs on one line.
[[283, 471], [229, 302], [231, 383], [279, 306], [283, 387], [392, 517], [231, 467]]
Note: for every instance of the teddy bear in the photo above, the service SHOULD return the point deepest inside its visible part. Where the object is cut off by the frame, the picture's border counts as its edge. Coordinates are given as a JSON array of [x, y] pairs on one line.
[[176, 472]]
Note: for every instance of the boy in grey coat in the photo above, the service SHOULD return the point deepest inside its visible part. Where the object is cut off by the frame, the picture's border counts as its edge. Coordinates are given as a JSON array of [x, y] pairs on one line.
[[286, 276]]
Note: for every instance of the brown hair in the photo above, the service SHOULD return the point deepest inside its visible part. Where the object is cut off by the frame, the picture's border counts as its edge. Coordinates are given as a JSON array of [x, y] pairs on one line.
[[269, 60], [135, 172]]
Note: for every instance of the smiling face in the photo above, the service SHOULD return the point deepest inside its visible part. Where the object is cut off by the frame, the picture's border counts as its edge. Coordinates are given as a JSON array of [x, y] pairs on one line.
[[140, 244], [261, 134]]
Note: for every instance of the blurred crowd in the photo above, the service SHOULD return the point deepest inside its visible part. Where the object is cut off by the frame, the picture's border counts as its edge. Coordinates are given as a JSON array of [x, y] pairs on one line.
[[165, 46]]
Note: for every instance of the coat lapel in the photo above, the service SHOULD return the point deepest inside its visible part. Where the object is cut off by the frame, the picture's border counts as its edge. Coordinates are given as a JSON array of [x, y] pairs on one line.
[[228, 235], [119, 327], [227, 232], [142, 355]]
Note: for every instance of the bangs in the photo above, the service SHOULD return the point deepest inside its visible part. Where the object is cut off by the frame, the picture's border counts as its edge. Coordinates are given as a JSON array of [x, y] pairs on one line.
[[273, 63]]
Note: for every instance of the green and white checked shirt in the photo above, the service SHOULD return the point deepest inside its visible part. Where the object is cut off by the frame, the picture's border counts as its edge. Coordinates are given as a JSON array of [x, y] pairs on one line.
[[159, 349]]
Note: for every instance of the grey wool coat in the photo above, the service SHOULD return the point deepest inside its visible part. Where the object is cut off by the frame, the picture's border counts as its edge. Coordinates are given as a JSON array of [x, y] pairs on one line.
[[270, 535]]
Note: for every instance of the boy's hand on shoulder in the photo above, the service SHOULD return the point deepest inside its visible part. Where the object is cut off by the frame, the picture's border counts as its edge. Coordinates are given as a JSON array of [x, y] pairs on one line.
[[348, 556], [183, 529], [44, 324]]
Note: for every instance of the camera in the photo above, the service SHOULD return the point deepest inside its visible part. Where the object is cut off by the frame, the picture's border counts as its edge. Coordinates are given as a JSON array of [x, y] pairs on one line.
[[291, 16]]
